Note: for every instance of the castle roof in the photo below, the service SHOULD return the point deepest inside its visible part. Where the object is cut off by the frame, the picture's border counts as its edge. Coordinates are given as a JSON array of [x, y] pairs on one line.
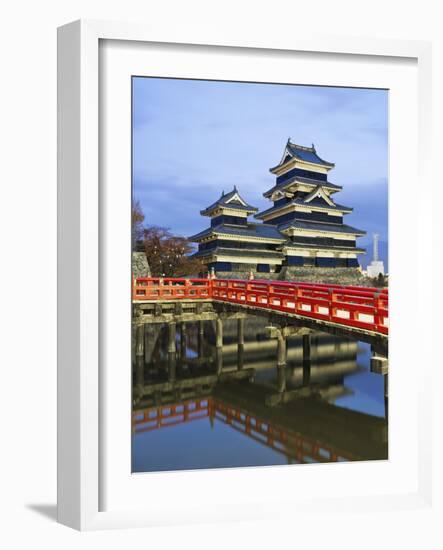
[[295, 245], [257, 230], [317, 226], [300, 179], [302, 153], [231, 200], [317, 203], [238, 252]]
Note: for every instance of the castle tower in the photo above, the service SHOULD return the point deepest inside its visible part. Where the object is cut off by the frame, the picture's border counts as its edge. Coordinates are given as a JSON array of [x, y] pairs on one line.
[[232, 243], [305, 213]]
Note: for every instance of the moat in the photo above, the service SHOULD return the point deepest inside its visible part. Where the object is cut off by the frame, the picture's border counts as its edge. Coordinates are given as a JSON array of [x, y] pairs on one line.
[[216, 403]]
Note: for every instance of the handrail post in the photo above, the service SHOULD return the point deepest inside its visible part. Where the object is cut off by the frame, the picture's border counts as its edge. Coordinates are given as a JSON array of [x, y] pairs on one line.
[[331, 299], [377, 316]]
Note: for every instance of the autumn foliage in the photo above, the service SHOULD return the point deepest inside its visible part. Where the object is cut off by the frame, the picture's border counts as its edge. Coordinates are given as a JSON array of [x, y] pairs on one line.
[[168, 255]]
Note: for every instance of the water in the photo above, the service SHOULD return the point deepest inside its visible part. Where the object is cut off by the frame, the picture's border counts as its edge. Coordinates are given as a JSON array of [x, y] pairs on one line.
[[203, 408]]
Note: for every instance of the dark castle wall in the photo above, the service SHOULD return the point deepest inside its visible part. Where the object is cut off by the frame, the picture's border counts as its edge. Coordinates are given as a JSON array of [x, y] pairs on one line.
[[302, 173]]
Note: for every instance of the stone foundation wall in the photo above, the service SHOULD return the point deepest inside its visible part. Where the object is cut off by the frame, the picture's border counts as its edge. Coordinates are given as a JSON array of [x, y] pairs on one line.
[[245, 275], [140, 265], [325, 275]]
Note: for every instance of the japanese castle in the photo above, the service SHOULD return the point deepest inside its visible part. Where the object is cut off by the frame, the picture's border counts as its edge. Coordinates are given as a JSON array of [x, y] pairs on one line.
[[304, 226]]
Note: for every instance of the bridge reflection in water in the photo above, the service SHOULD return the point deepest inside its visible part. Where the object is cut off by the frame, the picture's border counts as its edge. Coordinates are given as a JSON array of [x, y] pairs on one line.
[[224, 393]]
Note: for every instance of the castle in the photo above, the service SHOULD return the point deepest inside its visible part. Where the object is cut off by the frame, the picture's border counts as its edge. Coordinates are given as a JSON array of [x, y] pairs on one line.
[[304, 227]]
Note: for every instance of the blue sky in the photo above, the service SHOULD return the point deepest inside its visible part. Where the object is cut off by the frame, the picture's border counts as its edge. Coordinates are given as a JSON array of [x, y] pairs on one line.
[[192, 139]]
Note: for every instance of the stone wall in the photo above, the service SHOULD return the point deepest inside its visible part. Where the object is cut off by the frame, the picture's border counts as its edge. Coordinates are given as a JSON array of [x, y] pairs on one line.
[[140, 265], [245, 275], [325, 275]]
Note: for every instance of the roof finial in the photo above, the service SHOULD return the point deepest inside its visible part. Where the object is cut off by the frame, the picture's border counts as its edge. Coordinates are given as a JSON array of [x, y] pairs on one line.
[[313, 147], [223, 193], [235, 188]]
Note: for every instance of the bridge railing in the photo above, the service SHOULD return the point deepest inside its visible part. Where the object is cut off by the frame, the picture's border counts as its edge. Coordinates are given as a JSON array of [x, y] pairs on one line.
[[360, 307], [365, 308], [168, 288]]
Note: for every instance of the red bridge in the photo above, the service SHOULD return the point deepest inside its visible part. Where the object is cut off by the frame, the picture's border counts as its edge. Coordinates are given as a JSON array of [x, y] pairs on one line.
[[349, 306]]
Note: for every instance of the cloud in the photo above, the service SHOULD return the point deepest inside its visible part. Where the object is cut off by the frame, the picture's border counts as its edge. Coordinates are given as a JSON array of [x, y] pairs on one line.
[[194, 138]]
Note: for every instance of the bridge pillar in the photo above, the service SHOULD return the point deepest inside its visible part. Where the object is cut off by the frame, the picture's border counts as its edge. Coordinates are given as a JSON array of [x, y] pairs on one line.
[[219, 360], [140, 359], [241, 331], [172, 367], [281, 378], [172, 346], [240, 342], [306, 340], [182, 341], [140, 342], [201, 338], [240, 356], [280, 335], [152, 333], [218, 333], [281, 349], [172, 351], [380, 365]]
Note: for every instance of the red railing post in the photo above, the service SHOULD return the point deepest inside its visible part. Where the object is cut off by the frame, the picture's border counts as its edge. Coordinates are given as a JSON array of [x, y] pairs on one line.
[[378, 316], [331, 300]]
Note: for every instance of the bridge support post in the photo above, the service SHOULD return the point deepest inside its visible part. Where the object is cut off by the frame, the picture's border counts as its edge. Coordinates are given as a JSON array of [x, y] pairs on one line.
[[281, 361], [171, 367], [182, 341], [218, 333], [172, 348], [219, 344], [219, 360], [281, 379], [140, 359], [172, 351], [380, 365], [306, 340], [281, 349], [152, 333], [240, 342], [240, 356], [201, 338], [241, 331], [140, 342]]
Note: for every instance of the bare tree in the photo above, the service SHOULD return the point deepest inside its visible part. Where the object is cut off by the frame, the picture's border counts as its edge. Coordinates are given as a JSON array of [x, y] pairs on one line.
[[168, 254]]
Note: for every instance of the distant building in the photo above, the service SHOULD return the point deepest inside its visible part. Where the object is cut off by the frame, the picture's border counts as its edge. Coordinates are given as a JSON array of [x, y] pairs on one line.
[[376, 267], [304, 227]]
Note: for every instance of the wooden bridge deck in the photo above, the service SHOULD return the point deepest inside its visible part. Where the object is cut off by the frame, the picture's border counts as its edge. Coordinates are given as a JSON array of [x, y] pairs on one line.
[[358, 311]]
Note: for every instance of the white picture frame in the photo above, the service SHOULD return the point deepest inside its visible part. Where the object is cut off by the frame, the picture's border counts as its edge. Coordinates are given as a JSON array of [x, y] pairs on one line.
[[81, 293]]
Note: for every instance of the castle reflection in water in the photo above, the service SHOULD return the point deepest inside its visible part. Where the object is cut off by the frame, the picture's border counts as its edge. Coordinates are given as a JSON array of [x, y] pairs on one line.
[[209, 406]]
